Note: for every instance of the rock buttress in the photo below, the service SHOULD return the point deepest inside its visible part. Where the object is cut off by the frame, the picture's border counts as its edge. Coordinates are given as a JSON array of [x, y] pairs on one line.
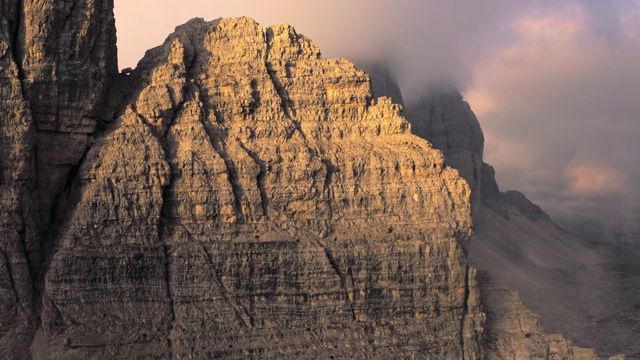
[[251, 200], [17, 183], [517, 243], [66, 52], [55, 61]]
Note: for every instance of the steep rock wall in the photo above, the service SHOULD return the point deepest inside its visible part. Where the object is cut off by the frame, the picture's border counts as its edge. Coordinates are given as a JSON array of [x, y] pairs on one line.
[[446, 120], [518, 246], [55, 60], [66, 53], [243, 198], [17, 183], [558, 276]]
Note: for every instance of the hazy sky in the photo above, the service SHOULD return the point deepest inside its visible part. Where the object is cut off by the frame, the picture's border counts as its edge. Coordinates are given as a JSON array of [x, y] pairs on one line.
[[555, 84]]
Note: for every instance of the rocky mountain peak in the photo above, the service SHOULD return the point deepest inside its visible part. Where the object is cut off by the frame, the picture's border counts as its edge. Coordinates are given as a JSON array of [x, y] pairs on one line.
[[255, 190], [518, 246], [520, 202]]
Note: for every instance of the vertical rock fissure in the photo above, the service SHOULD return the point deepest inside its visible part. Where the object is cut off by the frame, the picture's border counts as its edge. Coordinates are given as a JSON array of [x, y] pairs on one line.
[[232, 174], [162, 223], [326, 188], [343, 279], [47, 241], [14, 38], [167, 257], [260, 179], [10, 274], [465, 311], [162, 139], [172, 313], [243, 315], [22, 233], [280, 90], [167, 262], [220, 148]]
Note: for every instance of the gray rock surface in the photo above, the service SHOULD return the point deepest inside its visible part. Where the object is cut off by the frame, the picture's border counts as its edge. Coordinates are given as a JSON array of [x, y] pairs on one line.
[[491, 197], [65, 52], [559, 276], [524, 206], [17, 206], [514, 332], [446, 120], [51, 89]]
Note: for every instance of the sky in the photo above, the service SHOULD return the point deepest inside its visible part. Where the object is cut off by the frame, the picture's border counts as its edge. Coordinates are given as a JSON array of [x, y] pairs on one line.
[[554, 84]]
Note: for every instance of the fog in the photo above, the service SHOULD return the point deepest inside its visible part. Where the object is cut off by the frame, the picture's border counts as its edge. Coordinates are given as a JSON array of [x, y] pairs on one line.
[[555, 85]]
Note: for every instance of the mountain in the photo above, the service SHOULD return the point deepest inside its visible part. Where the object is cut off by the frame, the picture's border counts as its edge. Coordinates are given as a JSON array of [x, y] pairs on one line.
[[562, 278], [234, 196]]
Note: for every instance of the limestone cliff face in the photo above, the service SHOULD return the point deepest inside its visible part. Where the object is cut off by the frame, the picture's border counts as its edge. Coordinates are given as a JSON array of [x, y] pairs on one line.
[[66, 52], [17, 183], [250, 199]]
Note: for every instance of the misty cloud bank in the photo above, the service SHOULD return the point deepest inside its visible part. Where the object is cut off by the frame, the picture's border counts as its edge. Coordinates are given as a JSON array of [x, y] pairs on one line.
[[555, 85]]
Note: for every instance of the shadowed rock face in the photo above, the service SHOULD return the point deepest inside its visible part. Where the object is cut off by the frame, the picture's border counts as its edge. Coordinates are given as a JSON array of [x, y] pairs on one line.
[[243, 197], [55, 59], [66, 52], [383, 81], [446, 120]]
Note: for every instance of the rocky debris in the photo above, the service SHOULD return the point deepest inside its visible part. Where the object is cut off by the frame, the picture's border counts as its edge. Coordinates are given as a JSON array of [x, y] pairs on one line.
[[514, 332]]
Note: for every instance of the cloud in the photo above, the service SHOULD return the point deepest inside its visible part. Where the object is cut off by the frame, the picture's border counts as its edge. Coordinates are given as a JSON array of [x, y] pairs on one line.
[[594, 178], [561, 99]]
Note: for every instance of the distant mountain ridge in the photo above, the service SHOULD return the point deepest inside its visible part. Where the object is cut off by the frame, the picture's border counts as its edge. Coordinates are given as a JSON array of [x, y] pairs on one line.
[[560, 277]]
